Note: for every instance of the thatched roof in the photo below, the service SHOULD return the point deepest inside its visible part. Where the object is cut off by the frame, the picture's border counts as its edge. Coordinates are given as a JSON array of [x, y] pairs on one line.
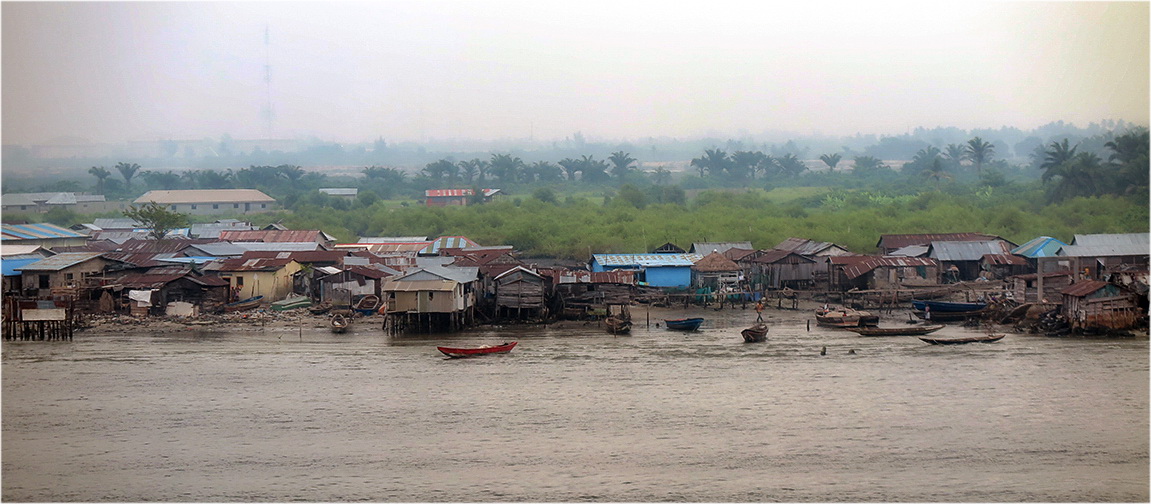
[[715, 262]]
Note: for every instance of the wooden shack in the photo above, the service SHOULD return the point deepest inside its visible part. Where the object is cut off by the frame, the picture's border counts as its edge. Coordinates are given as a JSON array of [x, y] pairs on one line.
[[776, 269], [1096, 305], [1026, 288], [521, 293], [432, 298], [716, 271], [170, 285]]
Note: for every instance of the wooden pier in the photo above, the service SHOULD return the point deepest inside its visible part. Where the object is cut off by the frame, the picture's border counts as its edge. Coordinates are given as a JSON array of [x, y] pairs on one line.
[[39, 320]]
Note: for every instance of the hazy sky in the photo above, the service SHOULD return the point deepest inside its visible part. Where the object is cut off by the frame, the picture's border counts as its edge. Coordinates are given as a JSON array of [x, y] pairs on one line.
[[415, 70]]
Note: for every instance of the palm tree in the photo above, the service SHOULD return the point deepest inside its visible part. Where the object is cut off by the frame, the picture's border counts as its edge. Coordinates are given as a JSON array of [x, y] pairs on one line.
[[1075, 177], [955, 154], [923, 160], [570, 166], [1057, 154], [212, 179], [936, 172], [291, 172], [865, 165], [506, 167], [100, 173], [745, 163], [621, 163], [593, 170], [661, 176], [545, 171], [128, 170], [714, 161], [1130, 156], [979, 152], [830, 160], [438, 169], [165, 180], [790, 165]]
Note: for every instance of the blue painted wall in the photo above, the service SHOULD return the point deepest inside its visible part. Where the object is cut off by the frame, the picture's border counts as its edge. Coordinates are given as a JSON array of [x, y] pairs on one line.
[[668, 276]]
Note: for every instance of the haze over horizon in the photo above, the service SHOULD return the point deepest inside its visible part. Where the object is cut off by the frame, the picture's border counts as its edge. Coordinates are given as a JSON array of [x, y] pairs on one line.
[[487, 70]]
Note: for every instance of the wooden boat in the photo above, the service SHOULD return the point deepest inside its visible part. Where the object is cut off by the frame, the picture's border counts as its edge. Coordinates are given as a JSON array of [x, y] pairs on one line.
[[948, 316], [946, 306], [684, 324], [292, 303], [244, 304], [911, 330], [617, 325], [367, 305], [990, 338], [320, 309], [845, 317], [755, 334], [472, 352], [339, 323]]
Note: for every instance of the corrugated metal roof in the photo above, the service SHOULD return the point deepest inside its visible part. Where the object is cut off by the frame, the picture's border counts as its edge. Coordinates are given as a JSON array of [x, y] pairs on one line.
[[213, 229], [1043, 246], [1108, 245], [278, 246], [967, 250], [452, 242], [804, 246], [1083, 288], [114, 224], [452, 193], [911, 251], [871, 262], [1004, 260], [395, 239], [10, 265], [205, 196], [569, 276], [39, 231], [272, 235], [418, 286], [14, 250], [220, 249], [705, 248], [894, 241], [773, 256], [238, 264], [461, 275], [646, 260], [60, 261]]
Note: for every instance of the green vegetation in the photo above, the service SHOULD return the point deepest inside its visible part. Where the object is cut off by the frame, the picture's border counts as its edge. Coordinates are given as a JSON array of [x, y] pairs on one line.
[[156, 217], [578, 205]]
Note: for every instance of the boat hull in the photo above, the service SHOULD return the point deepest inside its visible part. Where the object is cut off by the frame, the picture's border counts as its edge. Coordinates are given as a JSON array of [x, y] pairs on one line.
[[457, 353], [755, 334], [990, 338], [687, 324], [617, 325], [896, 331], [845, 318], [244, 304], [292, 304], [945, 306]]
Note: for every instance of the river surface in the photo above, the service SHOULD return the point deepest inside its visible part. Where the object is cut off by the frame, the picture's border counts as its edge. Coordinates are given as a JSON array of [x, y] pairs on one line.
[[574, 414]]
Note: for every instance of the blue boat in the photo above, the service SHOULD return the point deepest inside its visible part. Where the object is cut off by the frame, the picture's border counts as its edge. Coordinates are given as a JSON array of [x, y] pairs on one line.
[[947, 307], [686, 324]]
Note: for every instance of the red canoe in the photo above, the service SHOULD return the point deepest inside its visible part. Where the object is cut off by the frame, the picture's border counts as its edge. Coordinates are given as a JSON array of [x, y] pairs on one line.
[[472, 352]]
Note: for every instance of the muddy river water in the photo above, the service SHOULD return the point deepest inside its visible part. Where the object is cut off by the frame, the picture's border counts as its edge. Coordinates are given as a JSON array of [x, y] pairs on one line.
[[574, 414]]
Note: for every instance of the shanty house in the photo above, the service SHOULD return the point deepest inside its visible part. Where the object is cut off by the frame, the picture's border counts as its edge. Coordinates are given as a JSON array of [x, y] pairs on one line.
[[431, 298], [271, 278], [454, 197], [882, 272], [280, 237], [1094, 304], [776, 269], [211, 201], [167, 285], [1038, 287], [521, 292], [705, 248], [889, 243], [339, 285], [68, 272], [1097, 256], [962, 259], [811, 248], [717, 272], [656, 270], [42, 234]]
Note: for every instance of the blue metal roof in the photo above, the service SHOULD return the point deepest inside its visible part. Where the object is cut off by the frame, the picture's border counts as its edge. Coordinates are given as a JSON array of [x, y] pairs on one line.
[[37, 232], [10, 265], [646, 260], [1043, 246]]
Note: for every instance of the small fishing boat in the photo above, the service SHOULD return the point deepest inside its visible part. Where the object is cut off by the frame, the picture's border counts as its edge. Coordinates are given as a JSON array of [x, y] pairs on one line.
[[684, 324], [367, 305], [339, 323], [755, 334], [617, 324], [472, 352], [845, 317], [990, 338], [946, 306], [292, 303], [911, 330], [320, 309], [935, 316], [244, 304]]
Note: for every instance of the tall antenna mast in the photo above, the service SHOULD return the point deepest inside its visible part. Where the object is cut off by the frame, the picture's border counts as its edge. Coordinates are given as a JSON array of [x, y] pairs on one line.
[[267, 111]]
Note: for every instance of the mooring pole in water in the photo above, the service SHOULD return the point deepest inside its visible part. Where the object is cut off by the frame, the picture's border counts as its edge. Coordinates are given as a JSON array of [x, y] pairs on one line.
[[808, 325]]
